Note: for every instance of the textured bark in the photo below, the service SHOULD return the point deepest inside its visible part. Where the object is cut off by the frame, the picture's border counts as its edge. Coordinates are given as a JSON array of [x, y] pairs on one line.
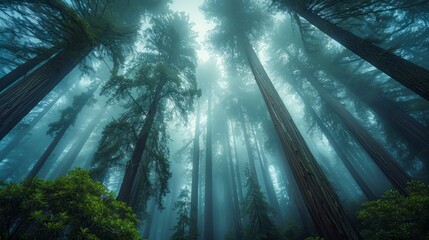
[[335, 145], [328, 215], [65, 165], [410, 75], [24, 132], [18, 100], [13, 76], [375, 150], [208, 196], [125, 191], [193, 226]]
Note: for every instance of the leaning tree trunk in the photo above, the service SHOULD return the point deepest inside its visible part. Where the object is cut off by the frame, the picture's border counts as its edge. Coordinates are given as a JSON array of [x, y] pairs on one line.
[[13, 76], [410, 75], [65, 165], [193, 225], [338, 149], [208, 196], [125, 191], [408, 128], [328, 215], [375, 150], [24, 132], [18, 100], [42, 160]]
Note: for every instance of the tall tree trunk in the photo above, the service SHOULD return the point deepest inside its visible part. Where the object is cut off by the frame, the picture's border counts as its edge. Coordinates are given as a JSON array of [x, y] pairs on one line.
[[208, 196], [24, 132], [236, 207], [410, 75], [125, 191], [328, 215], [237, 167], [269, 187], [193, 225], [18, 100], [148, 225], [65, 165], [408, 128], [42, 160], [380, 156], [335, 145], [250, 155], [13, 76], [230, 216]]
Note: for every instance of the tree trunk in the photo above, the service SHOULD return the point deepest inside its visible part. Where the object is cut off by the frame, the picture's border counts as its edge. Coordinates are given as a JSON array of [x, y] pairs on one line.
[[65, 165], [18, 100], [236, 206], [250, 155], [410, 75], [380, 156], [411, 130], [24, 132], [125, 191], [237, 168], [40, 163], [269, 187], [42, 160], [230, 216], [208, 196], [148, 225], [193, 225], [13, 76], [344, 159], [328, 215]]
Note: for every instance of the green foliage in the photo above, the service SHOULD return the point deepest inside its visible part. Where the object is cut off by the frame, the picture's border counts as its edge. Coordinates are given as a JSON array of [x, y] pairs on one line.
[[183, 207], [292, 231], [314, 238], [395, 216], [71, 207], [256, 210], [68, 116]]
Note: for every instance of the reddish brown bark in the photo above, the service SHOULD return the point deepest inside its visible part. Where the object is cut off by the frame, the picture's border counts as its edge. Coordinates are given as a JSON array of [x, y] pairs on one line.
[[410, 75], [18, 100], [328, 215]]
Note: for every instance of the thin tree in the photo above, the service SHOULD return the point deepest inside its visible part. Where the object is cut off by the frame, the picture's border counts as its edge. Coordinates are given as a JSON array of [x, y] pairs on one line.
[[193, 228], [59, 128]]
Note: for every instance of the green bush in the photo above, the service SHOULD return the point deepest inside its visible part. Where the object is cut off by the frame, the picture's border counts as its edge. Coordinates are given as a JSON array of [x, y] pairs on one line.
[[395, 216], [71, 207]]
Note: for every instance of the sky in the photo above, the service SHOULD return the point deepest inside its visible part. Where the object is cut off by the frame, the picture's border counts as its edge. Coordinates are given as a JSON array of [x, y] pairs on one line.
[[201, 25]]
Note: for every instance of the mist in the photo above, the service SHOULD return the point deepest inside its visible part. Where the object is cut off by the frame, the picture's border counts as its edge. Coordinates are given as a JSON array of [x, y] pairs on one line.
[[216, 119]]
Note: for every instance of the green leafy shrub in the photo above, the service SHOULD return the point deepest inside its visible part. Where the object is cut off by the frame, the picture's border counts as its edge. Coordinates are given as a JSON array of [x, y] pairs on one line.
[[395, 216], [71, 207]]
